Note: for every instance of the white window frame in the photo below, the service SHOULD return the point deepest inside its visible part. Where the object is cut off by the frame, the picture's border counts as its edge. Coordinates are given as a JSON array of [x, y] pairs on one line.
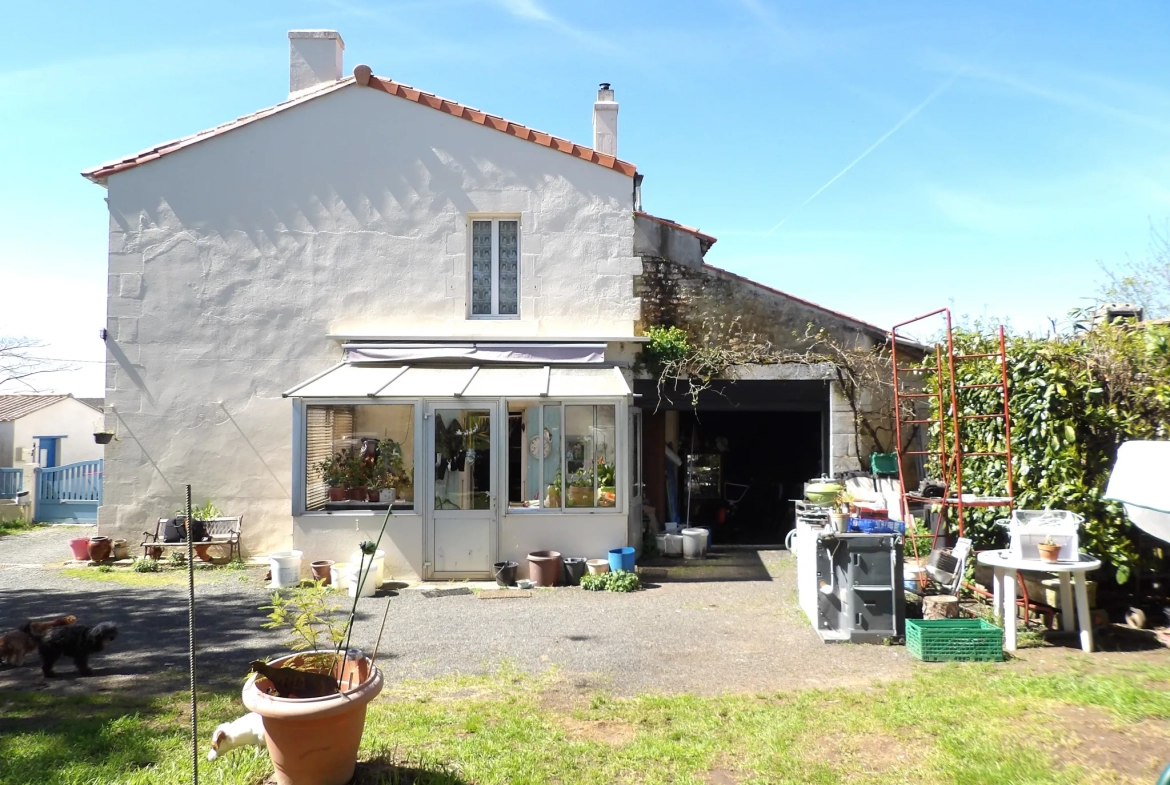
[[495, 219], [621, 483]]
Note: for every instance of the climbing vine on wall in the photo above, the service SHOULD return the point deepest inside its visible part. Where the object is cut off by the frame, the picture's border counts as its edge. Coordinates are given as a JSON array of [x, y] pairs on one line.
[[1074, 400]]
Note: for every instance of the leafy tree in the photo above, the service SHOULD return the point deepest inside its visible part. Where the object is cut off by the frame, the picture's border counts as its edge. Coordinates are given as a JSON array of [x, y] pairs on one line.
[[1144, 282]]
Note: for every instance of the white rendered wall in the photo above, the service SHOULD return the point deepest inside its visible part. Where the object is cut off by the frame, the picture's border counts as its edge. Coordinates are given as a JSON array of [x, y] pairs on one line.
[[231, 260], [68, 417]]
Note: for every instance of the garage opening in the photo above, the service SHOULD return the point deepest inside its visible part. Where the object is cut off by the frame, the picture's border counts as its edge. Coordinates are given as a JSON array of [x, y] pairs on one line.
[[743, 468]]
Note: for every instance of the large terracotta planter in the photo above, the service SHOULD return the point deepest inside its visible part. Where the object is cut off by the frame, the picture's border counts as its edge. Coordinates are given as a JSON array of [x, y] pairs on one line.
[[322, 570], [337, 493], [314, 741], [100, 548]]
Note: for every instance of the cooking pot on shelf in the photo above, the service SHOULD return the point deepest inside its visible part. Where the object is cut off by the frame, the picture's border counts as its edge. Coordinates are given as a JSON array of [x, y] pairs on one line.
[[823, 491]]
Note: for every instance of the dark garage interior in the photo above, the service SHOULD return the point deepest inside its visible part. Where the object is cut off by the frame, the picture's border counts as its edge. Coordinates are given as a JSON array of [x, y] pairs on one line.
[[747, 449]]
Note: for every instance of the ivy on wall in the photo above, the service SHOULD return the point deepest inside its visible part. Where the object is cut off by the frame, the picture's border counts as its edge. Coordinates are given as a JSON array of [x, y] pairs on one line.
[[1073, 400]]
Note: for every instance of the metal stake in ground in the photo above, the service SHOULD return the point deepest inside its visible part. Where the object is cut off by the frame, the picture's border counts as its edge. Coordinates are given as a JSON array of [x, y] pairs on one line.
[[191, 643]]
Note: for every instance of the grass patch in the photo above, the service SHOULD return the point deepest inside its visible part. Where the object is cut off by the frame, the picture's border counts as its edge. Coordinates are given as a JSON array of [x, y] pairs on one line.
[[17, 526], [127, 576], [962, 723]]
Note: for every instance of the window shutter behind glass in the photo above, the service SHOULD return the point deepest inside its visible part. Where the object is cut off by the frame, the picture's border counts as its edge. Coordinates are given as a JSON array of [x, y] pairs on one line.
[[509, 268], [481, 268], [318, 447]]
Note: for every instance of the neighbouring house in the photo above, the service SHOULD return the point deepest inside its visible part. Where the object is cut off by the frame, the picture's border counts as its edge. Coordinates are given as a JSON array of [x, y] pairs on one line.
[[48, 430], [367, 297]]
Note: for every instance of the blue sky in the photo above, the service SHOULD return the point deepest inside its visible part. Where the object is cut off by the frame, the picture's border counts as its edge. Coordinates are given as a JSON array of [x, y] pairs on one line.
[[1029, 140]]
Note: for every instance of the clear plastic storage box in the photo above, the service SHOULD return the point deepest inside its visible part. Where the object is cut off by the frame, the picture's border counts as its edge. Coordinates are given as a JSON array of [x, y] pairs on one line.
[[1030, 528]]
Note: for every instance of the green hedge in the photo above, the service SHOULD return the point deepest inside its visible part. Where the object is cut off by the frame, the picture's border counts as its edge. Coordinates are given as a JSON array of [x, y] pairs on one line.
[[1074, 399]]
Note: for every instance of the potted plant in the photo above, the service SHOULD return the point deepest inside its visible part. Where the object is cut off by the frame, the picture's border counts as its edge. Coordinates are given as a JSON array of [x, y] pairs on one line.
[[314, 739], [840, 513], [1049, 550], [332, 471], [606, 484], [356, 476], [552, 494], [103, 437], [581, 488], [404, 487], [388, 468], [202, 514]]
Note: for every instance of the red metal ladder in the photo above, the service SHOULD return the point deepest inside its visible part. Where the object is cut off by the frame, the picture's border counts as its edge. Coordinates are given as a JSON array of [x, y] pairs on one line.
[[949, 417]]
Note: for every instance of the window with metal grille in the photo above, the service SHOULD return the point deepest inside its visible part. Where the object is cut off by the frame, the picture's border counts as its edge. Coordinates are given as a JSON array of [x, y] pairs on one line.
[[495, 267]]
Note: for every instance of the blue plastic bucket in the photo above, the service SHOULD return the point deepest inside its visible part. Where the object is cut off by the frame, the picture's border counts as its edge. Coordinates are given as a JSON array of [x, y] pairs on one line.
[[621, 559]]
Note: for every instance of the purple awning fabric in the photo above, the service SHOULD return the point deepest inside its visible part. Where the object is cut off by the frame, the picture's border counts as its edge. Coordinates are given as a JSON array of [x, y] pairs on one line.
[[536, 353]]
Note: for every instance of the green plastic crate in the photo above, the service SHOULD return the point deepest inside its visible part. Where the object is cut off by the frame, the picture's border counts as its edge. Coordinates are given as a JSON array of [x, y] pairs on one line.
[[951, 640]]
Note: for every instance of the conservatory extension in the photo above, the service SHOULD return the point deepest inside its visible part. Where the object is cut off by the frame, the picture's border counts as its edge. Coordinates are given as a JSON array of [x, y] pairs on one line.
[[479, 463]]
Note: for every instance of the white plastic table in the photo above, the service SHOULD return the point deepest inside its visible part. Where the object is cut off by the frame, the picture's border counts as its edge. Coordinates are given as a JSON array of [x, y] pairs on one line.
[[1072, 575]]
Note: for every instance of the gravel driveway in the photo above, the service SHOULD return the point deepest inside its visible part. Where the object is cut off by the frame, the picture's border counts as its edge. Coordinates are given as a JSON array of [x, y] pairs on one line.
[[701, 634]]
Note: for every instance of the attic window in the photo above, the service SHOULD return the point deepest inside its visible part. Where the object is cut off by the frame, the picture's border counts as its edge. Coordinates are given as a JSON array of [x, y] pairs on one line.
[[495, 268]]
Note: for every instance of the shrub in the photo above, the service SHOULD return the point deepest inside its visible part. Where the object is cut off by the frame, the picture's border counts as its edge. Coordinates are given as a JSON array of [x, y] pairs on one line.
[[144, 565], [619, 581]]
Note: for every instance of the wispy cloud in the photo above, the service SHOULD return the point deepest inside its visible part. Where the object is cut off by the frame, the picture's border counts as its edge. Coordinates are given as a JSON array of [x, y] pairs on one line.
[[533, 11], [898, 125], [1073, 99]]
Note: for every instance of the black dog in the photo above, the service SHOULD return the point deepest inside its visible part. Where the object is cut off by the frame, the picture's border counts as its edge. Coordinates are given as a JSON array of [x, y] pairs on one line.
[[76, 641]]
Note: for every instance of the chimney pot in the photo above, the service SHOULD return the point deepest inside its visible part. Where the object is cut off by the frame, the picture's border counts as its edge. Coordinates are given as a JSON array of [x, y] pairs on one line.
[[605, 121], [314, 59]]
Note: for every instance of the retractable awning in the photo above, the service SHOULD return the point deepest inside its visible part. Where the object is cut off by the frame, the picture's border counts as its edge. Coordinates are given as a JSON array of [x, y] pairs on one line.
[[405, 381]]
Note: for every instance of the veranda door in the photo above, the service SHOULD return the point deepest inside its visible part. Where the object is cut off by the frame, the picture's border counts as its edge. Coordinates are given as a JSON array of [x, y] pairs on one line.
[[462, 531]]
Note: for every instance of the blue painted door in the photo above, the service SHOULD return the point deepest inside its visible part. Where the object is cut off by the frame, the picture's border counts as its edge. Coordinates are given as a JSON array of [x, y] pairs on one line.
[[70, 493], [48, 451]]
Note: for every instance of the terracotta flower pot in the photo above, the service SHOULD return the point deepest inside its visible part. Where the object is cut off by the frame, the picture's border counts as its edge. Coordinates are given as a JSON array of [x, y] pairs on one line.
[[121, 549], [314, 741], [154, 552], [80, 548], [580, 496], [202, 551], [100, 548], [336, 493], [544, 567], [322, 570], [1048, 552], [356, 494], [372, 494]]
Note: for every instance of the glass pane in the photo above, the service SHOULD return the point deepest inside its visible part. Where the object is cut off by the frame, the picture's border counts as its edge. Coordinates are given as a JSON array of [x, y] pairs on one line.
[[590, 455], [481, 267], [509, 262], [553, 477], [524, 449], [359, 457], [605, 448], [463, 461]]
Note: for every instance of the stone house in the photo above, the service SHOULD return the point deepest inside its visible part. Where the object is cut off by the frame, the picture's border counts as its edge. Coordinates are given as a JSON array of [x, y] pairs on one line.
[[367, 297]]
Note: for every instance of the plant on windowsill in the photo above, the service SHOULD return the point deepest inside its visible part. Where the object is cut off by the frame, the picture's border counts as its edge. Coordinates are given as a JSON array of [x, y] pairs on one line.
[[552, 494], [332, 472], [581, 488], [357, 475], [389, 469], [606, 484]]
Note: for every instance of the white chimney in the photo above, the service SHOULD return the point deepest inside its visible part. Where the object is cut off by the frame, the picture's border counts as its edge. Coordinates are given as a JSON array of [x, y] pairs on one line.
[[314, 59], [605, 113]]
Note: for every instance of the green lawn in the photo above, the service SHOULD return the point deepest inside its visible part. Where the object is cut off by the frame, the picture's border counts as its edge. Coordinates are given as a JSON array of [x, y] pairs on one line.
[[962, 724], [166, 575]]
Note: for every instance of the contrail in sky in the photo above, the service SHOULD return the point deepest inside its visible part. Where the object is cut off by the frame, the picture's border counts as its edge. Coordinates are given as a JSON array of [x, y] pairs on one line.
[[910, 116]]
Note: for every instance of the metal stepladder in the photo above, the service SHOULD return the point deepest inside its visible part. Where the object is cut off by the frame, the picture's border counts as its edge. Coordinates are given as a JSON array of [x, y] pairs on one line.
[[952, 407]]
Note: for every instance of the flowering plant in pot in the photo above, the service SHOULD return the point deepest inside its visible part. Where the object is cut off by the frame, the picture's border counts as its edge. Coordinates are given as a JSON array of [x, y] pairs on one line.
[[313, 701], [581, 488]]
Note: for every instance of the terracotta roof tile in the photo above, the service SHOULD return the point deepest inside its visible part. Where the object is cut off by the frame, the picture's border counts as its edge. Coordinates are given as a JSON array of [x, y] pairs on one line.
[[100, 173]]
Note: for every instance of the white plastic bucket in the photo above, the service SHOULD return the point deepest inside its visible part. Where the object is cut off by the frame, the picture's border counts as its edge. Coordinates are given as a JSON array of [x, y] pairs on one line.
[[661, 540], [285, 567], [694, 543], [337, 578], [352, 579], [379, 574], [673, 545]]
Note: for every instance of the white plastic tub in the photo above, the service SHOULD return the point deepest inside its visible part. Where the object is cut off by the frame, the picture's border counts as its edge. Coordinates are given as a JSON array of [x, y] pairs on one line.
[[379, 561], [285, 567], [352, 579], [694, 543], [673, 545]]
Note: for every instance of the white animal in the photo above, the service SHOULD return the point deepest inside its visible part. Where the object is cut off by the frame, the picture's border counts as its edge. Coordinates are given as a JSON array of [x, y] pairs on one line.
[[247, 731]]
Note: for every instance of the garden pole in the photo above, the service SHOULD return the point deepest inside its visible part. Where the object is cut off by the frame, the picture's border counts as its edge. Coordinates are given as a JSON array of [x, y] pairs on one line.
[[191, 643]]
